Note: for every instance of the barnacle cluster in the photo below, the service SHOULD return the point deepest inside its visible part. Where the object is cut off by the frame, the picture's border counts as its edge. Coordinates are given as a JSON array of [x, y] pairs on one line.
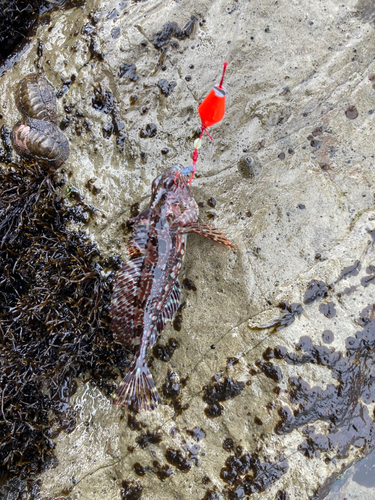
[[54, 317]]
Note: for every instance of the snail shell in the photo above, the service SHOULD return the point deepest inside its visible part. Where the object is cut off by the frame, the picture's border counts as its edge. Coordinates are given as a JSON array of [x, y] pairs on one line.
[[41, 140], [35, 98]]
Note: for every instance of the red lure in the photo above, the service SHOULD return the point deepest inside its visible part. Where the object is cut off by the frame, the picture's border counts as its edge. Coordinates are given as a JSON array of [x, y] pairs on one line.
[[211, 111], [146, 291]]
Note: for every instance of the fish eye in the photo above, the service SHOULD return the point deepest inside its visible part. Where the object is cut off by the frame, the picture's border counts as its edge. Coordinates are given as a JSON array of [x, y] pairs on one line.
[[169, 183]]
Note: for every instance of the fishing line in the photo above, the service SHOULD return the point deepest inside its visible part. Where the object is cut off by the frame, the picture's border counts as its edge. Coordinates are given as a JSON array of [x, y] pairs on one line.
[[212, 108]]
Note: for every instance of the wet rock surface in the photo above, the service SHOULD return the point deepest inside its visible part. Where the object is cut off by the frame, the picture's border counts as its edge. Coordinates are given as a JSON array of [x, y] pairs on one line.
[[266, 374]]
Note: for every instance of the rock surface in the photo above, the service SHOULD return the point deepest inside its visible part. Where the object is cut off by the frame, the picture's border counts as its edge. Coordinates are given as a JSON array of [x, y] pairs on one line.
[[291, 170]]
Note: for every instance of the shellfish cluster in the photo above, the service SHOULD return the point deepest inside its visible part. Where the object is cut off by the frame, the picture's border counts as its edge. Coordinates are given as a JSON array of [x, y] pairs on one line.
[[37, 135]]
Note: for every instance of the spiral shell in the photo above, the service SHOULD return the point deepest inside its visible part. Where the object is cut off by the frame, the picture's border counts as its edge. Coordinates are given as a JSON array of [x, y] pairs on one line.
[[35, 98], [41, 140]]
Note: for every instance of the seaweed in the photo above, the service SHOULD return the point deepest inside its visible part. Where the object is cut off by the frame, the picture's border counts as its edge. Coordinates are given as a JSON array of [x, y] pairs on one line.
[[54, 318]]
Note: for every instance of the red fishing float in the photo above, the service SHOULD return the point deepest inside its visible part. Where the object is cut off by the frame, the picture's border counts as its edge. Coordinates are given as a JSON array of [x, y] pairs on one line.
[[211, 111]]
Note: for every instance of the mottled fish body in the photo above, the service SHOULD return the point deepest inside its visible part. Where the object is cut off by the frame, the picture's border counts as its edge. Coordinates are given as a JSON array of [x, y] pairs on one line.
[[146, 290]]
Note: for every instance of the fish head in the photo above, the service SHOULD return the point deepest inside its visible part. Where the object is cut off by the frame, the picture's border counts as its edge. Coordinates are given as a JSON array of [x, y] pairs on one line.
[[172, 198]]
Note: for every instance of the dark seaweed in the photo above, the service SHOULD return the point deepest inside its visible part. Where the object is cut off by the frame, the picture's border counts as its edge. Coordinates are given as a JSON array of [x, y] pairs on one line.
[[128, 70], [149, 131], [270, 370], [176, 458], [171, 29], [165, 352], [172, 390], [144, 440], [19, 17], [246, 474], [54, 318], [166, 87], [210, 495], [131, 490], [221, 391], [162, 471]]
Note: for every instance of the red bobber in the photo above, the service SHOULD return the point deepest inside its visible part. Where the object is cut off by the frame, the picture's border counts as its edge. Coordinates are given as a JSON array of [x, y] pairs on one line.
[[212, 109]]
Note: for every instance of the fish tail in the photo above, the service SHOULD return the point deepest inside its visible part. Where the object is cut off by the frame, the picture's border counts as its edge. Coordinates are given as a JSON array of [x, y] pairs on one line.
[[137, 389]]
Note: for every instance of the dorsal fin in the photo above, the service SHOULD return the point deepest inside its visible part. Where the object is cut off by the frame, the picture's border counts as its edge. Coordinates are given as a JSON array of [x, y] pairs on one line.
[[122, 303], [138, 242]]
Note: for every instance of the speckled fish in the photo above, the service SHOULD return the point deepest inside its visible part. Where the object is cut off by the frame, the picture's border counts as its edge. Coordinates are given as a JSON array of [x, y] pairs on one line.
[[146, 291]]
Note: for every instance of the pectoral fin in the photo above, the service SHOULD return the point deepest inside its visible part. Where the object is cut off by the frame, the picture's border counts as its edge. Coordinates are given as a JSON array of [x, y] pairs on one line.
[[209, 232]]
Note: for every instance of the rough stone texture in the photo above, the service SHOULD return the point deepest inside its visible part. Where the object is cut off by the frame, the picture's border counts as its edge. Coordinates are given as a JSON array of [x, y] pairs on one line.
[[292, 176]]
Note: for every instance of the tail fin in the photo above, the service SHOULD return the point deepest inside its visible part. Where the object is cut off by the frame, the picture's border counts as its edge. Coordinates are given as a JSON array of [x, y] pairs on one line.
[[137, 389]]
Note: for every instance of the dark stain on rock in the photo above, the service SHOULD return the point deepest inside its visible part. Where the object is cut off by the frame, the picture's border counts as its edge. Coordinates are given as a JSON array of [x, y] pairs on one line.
[[171, 29], [257, 421], [365, 11], [211, 202], [315, 290], [249, 167], [350, 271], [166, 87], [197, 433], [351, 112], [270, 370], [281, 156], [282, 495], [231, 362], [188, 284], [116, 32], [128, 70], [245, 474], [327, 337], [165, 352], [131, 490], [221, 391], [368, 280], [177, 322], [328, 309], [149, 131], [177, 459], [347, 291]]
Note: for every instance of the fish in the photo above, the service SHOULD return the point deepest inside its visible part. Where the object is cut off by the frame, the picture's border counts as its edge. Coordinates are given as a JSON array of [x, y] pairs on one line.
[[146, 291]]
